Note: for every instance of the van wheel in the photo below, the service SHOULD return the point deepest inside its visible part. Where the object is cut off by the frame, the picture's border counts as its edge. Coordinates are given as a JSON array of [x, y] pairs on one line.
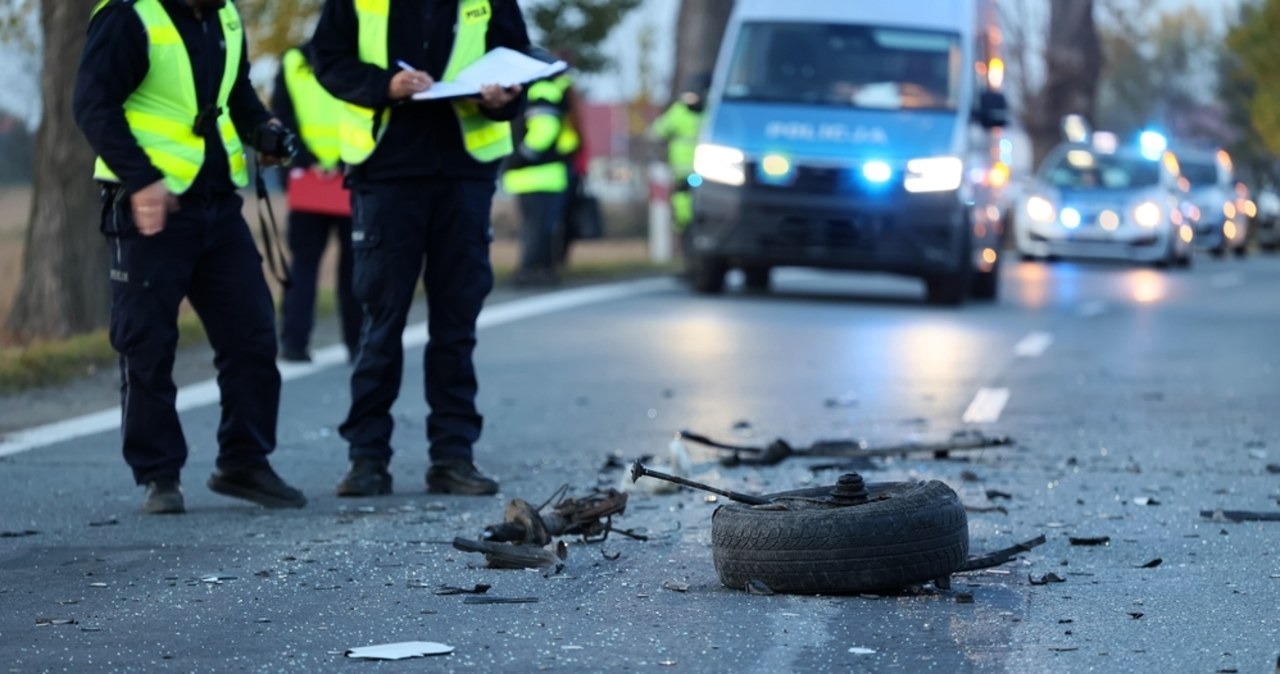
[[706, 272], [986, 285], [756, 278], [803, 542]]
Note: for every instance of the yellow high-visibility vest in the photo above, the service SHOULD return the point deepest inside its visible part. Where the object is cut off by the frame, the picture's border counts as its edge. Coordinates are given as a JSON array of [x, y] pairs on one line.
[[161, 112], [544, 131], [317, 110], [484, 139], [679, 125]]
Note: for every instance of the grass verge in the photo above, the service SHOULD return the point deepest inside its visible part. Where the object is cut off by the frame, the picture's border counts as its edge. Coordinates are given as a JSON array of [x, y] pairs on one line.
[[56, 362]]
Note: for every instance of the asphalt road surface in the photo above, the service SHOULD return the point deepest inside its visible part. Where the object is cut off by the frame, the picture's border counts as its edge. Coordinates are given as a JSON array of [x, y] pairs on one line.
[[1137, 399]]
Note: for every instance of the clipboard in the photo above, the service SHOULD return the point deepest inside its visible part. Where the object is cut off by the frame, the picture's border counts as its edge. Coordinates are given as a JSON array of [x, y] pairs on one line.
[[502, 66], [311, 191]]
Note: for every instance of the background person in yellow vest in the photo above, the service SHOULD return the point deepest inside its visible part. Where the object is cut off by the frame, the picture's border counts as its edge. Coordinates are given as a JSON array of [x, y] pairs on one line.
[[679, 126], [538, 174], [423, 174], [163, 96], [301, 103]]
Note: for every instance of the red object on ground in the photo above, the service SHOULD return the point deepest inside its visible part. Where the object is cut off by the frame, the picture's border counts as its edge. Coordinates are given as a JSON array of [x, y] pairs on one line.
[[311, 191]]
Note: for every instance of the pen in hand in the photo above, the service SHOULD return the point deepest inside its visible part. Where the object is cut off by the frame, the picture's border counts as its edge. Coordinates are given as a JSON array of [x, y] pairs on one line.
[[408, 82]]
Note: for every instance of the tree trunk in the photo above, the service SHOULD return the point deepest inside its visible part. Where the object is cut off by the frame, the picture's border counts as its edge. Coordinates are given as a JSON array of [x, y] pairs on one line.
[[699, 32], [1072, 72], [64, 286]]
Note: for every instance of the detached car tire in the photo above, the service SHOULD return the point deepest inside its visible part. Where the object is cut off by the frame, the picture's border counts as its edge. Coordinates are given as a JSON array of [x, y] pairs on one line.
[[907, 533]]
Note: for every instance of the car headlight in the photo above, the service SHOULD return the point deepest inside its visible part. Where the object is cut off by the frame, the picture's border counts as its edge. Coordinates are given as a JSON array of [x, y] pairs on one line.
[[1070, 218], [1147, 214], [934, 174], [1040, 210], [719, 164]]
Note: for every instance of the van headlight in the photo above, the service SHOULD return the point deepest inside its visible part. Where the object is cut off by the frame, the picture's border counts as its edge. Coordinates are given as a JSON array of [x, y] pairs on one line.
[[934, 174], [719, 164], [1041, 210], [1147, 214]]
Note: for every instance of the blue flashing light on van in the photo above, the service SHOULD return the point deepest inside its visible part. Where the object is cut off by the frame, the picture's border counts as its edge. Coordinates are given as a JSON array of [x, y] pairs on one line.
[[855, 136]]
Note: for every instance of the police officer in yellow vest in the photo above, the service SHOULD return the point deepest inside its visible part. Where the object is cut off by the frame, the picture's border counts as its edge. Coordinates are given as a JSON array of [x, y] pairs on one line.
[[679, 126], [163, 96], [539, 175], [423, 174], [301, 103]]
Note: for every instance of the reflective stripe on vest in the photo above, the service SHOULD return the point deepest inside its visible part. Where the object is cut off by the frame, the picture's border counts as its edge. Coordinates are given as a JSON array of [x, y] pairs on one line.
[[549, 177], [485, 140], [316, 109], [544, 124], [569, 140], [161, 112]]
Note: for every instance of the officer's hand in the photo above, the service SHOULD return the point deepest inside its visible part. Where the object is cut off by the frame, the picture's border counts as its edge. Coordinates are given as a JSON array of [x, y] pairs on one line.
[[151, 205], [407, 83], [495, 96]]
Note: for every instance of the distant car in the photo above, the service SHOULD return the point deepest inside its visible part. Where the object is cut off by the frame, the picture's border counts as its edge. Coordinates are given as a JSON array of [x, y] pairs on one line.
[[1222, 226], [1267, 223], [1112, 203]]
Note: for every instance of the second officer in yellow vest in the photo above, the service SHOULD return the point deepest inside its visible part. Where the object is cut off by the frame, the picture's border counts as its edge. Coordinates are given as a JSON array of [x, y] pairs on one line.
[[163, 96], [423, 174], [538, 174], [301, 103]]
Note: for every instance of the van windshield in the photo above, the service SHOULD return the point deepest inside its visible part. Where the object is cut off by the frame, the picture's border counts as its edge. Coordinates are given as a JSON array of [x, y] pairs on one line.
[[848, 65], [1200, 174]]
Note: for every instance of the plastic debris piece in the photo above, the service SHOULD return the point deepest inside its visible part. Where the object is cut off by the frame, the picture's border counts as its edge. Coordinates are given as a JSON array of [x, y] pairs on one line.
[[1145, 501], [964, 597], [1064, 649], [45, 622], [18, 534], [1089, 540], [1136, 614], [479, 588], [993, 494], [667, 662], [758, 587], [676, 586], [399, 651], [1047, 578], [97, 584], [110, 521], [1151, 564], [1240, 516], [486, 599], [611, 556], [859, 650]]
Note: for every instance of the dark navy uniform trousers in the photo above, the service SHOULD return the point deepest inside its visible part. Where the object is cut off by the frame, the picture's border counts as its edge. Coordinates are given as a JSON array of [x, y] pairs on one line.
[[204, 254], [308, 237], [437, 230]]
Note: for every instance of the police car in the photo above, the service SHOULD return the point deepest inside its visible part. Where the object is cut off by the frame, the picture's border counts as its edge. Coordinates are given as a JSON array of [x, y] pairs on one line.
[[1094, 198]]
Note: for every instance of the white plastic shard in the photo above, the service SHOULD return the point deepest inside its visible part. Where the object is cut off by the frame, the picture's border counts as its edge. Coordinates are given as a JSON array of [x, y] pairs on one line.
[[400, 651]]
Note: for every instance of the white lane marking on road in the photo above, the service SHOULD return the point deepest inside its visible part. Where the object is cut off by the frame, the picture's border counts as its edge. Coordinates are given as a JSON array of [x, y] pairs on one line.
[[1033, 345], [206, 392], [986, 406], [1094, 308], [1226, 280]]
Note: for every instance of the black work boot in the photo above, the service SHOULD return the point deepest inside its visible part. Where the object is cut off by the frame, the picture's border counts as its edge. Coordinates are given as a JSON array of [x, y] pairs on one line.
[[164, 497], [459, 476], [366, 477], [260, 485]]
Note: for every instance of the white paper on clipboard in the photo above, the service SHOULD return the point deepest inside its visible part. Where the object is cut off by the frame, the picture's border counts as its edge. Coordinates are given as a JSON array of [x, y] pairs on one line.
[[500, 66]]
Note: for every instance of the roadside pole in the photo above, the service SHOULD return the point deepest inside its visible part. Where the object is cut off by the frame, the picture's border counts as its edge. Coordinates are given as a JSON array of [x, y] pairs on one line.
[[660, 238]]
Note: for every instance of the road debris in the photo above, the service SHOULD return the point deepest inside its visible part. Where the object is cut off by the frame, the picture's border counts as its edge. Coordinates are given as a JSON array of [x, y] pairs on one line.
[[1046, 579], [399, 651], [964, 597], [998, 557], [859, 650], [758, 587], [987, 509], [45, 622], [1240, 516], [677, 462], [675, 586], [779, 450], [18, 534], [486, 599], [590, 517], [478, 588], [1136, 614], [109, 522], [1145, 501], [1089, 540], [508, 556], [1151, 564], [638, 470], [995, 494]]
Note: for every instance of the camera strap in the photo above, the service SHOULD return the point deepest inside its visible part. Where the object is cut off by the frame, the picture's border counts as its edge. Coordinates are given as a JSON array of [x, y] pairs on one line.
[[271, 240]]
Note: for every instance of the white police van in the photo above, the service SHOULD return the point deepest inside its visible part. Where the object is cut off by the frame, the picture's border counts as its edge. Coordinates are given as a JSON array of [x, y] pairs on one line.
[[854, 136]]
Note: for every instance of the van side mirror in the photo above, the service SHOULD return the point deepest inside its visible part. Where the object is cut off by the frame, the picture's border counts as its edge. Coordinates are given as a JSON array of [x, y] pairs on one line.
[[993, 109]]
